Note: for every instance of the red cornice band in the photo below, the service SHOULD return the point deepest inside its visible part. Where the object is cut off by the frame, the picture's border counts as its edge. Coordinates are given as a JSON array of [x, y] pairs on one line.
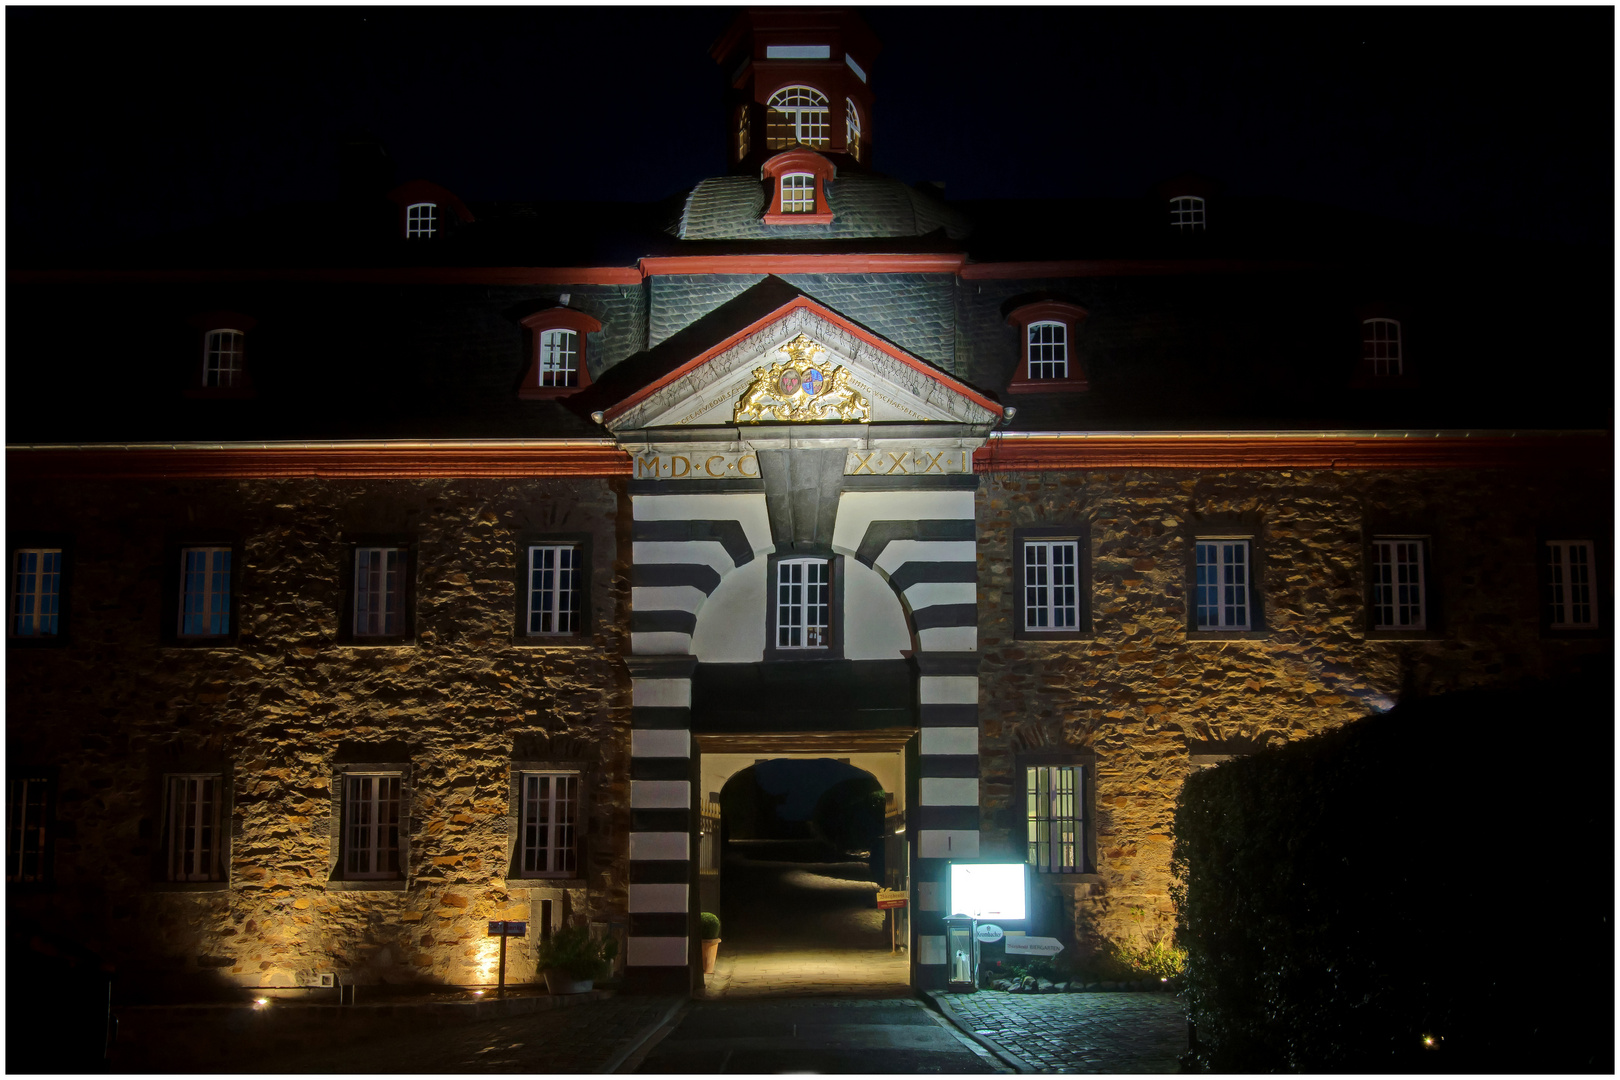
[[334, 463]]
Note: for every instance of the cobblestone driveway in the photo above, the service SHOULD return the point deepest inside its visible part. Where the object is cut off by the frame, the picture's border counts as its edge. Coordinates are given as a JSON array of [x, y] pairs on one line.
[[1100, 1033]]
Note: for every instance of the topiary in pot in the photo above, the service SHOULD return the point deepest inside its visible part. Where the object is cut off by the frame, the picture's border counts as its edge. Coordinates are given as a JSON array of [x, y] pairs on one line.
[[710, 924], [572, 960]]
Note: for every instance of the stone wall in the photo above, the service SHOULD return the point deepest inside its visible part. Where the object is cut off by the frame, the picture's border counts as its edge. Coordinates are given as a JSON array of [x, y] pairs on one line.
[[114, 709], [1144, 694]]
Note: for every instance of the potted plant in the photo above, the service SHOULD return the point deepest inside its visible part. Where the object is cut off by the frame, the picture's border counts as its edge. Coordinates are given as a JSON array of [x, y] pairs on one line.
[[572, 960], [711, 940]]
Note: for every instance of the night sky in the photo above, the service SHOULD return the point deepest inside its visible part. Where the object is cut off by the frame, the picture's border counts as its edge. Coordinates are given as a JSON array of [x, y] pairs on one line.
[[124, 122]]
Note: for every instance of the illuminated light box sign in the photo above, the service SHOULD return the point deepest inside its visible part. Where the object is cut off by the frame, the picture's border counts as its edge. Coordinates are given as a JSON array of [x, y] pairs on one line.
[[990, 890]]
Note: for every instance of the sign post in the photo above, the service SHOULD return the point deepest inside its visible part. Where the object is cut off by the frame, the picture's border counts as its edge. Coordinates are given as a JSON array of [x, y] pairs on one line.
[[504, 930]]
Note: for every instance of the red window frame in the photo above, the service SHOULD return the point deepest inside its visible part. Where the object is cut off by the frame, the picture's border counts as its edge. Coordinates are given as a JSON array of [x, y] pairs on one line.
[[798, 161], [537, 324], [1071, 316]]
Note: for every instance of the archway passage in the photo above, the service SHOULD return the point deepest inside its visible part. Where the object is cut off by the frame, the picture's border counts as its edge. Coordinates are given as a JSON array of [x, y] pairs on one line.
[[803, 846]]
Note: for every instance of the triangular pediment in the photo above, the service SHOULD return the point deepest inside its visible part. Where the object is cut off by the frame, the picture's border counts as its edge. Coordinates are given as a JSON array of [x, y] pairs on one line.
[[802, 363]]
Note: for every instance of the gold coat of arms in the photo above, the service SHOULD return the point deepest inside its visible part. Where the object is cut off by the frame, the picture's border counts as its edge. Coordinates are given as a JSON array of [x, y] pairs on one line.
[[801, 389]]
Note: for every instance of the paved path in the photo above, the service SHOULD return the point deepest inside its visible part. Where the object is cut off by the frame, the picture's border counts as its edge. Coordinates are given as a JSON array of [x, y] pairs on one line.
[[1089, 1033]]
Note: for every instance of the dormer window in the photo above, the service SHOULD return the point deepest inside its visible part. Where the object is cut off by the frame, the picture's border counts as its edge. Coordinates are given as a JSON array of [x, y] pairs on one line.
[[1047, 332], [221, 371], [798, 193], [1187, 212], [222, 358], [1381, 347], [557, 364], [797, 115], [421, 220], [800, 188], [852, 129]]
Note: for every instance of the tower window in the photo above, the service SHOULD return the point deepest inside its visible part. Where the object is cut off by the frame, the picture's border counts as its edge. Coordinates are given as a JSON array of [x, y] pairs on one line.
[[852, 129], [1187, 212], [797, 114], [742, 133], [421, 220], [1381, 346]]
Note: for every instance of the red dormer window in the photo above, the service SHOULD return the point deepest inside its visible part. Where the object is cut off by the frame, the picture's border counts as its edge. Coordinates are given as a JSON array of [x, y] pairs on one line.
[[1047, 360], [425, 208], [557, 363], [221, 371], [797, 181]]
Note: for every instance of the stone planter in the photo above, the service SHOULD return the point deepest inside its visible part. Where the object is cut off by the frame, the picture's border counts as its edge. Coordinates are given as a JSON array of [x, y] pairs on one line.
[[711, 950], [559, 981]]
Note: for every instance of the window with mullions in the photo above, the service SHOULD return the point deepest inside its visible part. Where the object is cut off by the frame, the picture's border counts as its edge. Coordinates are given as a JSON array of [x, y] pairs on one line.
[[36, 592], [1398, 588], [796, 114], [205, 592], [421, 220], [1381, 346], [852, 129], [554, 589], [798, 193], [1054, 811], [27, 828], [559, 358], [803, 603], [379, 591], [1048, 350], [192, 838], [1051, 585], [222, 357], [1187, 212], [742, 132], [1222, 584], [549, 815], [371, 817], [1571, 590]]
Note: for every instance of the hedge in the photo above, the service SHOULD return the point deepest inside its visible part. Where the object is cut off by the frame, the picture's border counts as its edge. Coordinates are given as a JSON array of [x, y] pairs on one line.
[[1430, 889]]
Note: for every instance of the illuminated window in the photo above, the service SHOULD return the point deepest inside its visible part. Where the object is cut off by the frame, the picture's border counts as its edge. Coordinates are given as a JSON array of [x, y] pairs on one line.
[[742, 133], [1051, 585], [36, 592], [549, 813], [559, 358], [1187, 212], [803, 603], [1048, 332], [554, 589], [371, 825], [1398, 584], [1048, 350], [798, 193], [1222, 584], [28, 828], [559, 354], [1381, 346], [222, 358], [205, 592], [379, 591], [1055, 799], [193, 841], [852, 129], [1571, 587], [421, 220], [796, 114]]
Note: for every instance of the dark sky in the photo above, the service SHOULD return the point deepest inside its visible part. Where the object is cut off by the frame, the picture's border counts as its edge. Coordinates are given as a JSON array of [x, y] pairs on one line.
[[126, 121]]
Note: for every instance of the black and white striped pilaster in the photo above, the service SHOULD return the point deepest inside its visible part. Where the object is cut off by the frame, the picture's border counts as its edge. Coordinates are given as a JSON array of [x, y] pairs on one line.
[[661, 818], [682, 546]]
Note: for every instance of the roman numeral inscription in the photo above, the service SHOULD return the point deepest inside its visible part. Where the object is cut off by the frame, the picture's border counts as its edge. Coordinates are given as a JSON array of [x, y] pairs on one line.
[[907, 462]]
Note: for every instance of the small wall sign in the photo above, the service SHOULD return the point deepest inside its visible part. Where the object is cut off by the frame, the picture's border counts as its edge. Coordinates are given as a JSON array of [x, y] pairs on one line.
[[1034, 946], [988, 932], [508, 929]]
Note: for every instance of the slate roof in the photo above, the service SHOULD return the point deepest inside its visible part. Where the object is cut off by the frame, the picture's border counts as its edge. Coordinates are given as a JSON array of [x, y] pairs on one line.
[[863, 205]]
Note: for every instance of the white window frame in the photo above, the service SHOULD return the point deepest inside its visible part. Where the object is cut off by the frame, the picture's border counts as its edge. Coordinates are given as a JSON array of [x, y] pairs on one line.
[[1223, 580], [36, 593], [1047, 349], [1187, 212], [1381, 346], [379, 592], [1052, 585], [548, 824], [1572, 597], [372, 839], [1055, 818], [554, 587], [223, 350], [28, 810], [559, 357], [798, 193], [421, 220], [803, 111], [852, 129], [211, 596], [1399, 590], [193, 839], [799, 614]]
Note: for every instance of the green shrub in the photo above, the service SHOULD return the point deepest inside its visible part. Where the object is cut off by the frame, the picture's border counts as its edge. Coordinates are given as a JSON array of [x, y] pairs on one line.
[[578, 955], [711, 925]]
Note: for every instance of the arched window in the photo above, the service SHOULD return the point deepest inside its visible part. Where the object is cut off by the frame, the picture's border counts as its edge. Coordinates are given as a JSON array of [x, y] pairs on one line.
[[797, 114], [742, 133], [1048, 350], [852, 129], [559, 358], [1187, 212], [421, 220], [222, 358], [558, 362], [1381, 346], [1050, 332]]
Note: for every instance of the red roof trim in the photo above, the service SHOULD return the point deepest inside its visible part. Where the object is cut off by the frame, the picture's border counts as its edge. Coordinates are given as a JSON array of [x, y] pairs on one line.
[[147, 463], [1037, 454], [832, 317], [802, 264], [1124, 268], [375, 275]]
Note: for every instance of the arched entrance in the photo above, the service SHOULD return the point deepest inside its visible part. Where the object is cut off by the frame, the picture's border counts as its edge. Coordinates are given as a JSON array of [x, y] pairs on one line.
[[794, 849]]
